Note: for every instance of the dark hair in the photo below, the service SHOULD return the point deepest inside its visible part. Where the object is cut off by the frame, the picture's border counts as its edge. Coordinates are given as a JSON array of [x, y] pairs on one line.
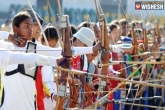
[[138, 31], [95, 26], [135, 23], [94, 43], [19, 18], [161, 28], [33, 16], [112, 26], [83, 24], [50, 33], [73, 31], [140, 22]]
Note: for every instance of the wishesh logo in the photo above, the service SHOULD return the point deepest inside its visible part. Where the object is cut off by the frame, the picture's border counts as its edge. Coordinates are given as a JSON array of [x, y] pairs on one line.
[[157, 5], [138, 6]]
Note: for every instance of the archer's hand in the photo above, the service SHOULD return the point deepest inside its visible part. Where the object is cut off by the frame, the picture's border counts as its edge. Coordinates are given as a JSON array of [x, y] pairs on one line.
[[17, 40], [55, 97], [11, 37], [68, 59], [117, 49]]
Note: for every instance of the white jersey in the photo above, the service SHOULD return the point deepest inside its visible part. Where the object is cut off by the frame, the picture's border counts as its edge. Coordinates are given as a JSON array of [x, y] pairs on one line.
[[7, 58], [48, 80], [20, 89]]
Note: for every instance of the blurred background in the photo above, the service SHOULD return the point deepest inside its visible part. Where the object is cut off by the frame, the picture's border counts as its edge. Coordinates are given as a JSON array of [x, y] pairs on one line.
[[78, 10]]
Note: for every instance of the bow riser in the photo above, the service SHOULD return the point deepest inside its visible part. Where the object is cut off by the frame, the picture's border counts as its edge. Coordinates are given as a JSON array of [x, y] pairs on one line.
[[104, 44], [67, 53]]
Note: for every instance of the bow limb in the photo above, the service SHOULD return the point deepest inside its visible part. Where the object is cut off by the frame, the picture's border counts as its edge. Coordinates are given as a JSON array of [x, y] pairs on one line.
[[123, 10], [145, 71], [156, 44], [91, 24], [135, 41], [161, 57], [99, 81], [157, 32], [162, 68], [88, 19], [119, 1], [38, 22], [145, 49], [135, 45], [104, 46], [134, 52]]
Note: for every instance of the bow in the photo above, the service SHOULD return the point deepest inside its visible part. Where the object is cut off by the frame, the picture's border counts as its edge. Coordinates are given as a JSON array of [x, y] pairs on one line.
[[157, 32], [145, 71], [104, 45], [54, 22], [161, 57], [67, 53], [135, 50]]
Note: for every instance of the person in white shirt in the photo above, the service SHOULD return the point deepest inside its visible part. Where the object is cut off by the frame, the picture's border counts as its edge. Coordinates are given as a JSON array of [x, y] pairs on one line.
[[47, 74], [6, 26], [19, 88], [9, 57]]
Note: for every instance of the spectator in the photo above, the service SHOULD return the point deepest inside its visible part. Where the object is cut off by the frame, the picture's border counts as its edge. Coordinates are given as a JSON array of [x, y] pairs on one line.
[[6, 26]]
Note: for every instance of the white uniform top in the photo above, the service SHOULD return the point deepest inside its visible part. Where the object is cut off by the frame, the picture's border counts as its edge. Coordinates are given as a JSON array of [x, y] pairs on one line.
[[48, 80], [116, 49], [4, 60], [55, 52], [15, 92], [9, 57], [20, 89]]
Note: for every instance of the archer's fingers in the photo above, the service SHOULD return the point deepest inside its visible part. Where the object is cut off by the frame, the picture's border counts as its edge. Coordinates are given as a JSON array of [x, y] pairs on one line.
[[137, 85]]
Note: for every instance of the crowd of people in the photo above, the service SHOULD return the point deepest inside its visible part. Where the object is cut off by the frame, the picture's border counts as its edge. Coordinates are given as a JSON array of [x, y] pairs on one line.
[[29, 81]]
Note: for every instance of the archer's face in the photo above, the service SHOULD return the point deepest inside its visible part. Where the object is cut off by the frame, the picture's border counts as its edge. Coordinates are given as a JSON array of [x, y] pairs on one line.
[[25, 29], [97, 32], [115, 34], [36, 30], [124, 30], [78, 43]]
